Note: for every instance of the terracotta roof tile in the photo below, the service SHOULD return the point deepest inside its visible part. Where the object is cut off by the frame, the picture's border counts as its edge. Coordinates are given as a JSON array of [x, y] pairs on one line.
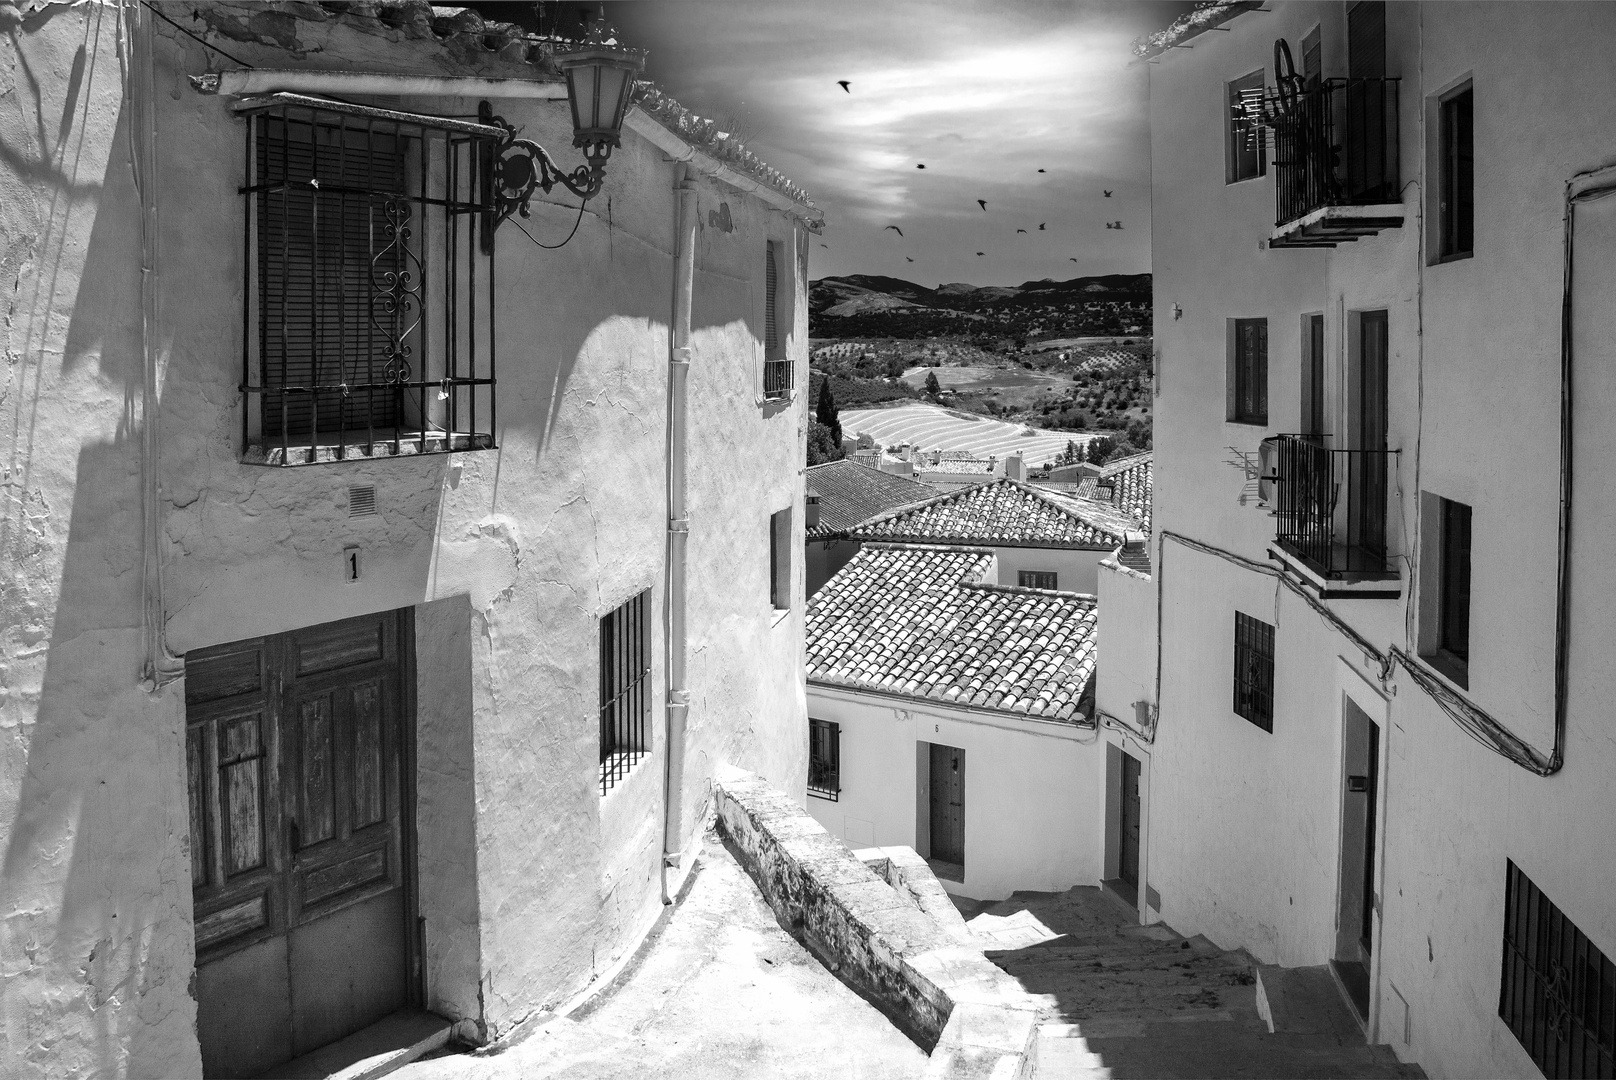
[[850, 493], [1001, 513], [919, 621]]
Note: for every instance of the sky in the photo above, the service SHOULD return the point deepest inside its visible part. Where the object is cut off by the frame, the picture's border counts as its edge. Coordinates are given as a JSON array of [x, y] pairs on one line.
[[983, 94]]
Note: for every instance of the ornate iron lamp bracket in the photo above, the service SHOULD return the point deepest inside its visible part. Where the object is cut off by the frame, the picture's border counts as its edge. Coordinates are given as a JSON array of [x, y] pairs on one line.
[[519, 167]]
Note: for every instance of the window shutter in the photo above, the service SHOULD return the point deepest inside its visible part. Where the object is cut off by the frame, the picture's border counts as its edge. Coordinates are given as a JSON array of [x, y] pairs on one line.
[[771, 333], [1312, 57], [1366, 40]]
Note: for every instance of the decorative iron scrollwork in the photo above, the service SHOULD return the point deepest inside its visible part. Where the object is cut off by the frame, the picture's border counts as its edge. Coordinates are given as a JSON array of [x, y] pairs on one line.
[[1557, 1000], [395, 304], [521, 167]]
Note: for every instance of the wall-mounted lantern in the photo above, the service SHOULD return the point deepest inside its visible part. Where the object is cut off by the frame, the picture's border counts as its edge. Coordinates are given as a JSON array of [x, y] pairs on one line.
[[600, 83]]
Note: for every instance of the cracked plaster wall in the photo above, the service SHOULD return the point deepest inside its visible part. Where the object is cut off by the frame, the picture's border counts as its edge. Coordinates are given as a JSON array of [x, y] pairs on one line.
[[532, 884]]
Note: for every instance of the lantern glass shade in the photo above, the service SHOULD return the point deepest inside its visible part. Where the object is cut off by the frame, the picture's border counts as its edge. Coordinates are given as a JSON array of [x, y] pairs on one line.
[[599, 82]]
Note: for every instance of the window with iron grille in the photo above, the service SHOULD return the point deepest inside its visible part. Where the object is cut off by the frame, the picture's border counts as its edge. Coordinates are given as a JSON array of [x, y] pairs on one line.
[[780, 560], [625, 689], [1558, 990], [1247, 154], [1248, 371], [1036, 579], [777, 369], [1254, 670], [368, 323], [1457, 175], [824, 759]]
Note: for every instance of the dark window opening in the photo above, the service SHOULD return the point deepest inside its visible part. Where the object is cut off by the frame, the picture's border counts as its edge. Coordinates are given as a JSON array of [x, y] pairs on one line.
[[1248, 382], [1312, 58], [1036, 579], [780, 560], [368, 328], [824, 759], [1247, 153], [1458, 173], [1448, 647], [1254, 670], [1558, 990], [777, 370], [1313, 376], [625, 689]]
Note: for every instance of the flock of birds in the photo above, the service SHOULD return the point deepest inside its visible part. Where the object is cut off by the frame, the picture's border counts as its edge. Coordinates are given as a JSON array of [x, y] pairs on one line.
[[847, 85]]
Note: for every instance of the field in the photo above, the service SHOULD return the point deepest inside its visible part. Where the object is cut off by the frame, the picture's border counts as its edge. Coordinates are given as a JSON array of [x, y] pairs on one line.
[[979, 378], [932, 428]]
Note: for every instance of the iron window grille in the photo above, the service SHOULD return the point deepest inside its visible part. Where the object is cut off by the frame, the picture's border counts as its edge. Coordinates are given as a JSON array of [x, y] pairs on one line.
[[625, 689], [778, 376], [824, 759], [368, 323], [1558, 990], [1036, 579], [1254, 670], [1248, 372]]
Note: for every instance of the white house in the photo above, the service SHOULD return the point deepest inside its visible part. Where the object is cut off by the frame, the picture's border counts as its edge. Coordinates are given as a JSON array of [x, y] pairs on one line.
[[952, 714], [840, 495], [381, 590], [1381, 728]]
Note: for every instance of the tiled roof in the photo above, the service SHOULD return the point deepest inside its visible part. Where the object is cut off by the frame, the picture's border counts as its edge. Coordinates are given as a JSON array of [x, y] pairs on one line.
[[849, 493], [960, 467], [917, 621], [1132, 481], [1002, 513]]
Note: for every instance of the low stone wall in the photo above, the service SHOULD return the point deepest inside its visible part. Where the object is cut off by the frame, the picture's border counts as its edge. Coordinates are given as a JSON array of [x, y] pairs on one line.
[[908, 873], [890, 945]]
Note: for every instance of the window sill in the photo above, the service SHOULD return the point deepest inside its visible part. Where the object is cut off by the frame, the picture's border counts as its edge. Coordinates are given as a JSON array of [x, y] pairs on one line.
[[1263, 423], [410, 444], [1450, 667], [827, 796], [1245, 179], [617, 767], [777, 615], [1457, 256]]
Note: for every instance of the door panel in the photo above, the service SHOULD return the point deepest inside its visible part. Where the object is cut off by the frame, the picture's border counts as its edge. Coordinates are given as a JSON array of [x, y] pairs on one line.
[[1128, 864], [294, 754], [948, 804]]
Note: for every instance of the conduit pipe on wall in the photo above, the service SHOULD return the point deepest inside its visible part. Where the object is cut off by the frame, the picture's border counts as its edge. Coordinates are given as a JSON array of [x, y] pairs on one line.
[[678, 706], [160, 666]]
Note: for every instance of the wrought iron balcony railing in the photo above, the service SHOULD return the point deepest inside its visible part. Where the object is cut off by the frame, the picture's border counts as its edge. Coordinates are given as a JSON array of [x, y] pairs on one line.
[[1335, 144], [1331, 506]]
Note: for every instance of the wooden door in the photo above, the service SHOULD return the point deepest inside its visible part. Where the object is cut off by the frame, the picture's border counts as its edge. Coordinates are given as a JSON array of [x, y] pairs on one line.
[[296, 749], [1369, 494], [948, 804], [1128, 859]]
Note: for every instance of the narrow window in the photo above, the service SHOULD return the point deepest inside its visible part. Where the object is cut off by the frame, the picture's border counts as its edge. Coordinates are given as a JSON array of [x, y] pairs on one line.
[[1313, 375], [1246, 154], [1036, 579], [1254, 670], [824, 759], [1558, 989], [1447, 639], [1457, 179], [1248, 372], [780, 560], [777, 369], [1312, 58], [625, 689]]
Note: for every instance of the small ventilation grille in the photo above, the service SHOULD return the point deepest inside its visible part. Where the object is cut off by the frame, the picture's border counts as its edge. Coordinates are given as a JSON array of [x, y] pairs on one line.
[[362, 501]]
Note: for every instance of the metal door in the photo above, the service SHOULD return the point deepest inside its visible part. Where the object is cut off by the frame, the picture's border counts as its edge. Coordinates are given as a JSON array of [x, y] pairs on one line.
[[1128, 862], [948, 804], [296, 745]]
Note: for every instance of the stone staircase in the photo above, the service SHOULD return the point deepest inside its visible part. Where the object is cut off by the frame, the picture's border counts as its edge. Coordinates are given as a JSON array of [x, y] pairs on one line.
[[1143, 1001]]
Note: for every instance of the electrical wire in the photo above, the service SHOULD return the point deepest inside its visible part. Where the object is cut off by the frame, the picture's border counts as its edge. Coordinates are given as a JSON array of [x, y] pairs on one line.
[[552, 247], [199, 40]]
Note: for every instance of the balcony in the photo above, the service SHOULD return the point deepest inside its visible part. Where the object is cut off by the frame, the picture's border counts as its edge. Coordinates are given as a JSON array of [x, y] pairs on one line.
[[1335, 161], [1331, 506]]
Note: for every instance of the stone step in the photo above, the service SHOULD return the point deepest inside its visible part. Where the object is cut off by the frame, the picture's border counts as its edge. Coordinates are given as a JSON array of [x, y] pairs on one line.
[[1063, 1054], [385, 1046]]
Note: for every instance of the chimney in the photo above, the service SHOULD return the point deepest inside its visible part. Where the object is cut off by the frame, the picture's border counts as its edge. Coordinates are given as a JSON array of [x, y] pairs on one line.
[[810, 516], [1015, 468]]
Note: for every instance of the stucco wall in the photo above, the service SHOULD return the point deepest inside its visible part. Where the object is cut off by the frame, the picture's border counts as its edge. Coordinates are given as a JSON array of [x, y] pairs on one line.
[[1475, 346], [1030, 790], [531, 883], [1075, 570]]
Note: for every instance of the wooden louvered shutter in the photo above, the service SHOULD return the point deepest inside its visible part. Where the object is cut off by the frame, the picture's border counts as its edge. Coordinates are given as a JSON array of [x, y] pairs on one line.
[[771, 332], [1366, 40], [320, 254]]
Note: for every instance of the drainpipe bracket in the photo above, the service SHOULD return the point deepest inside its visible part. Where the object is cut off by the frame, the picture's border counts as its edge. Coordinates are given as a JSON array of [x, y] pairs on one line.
[[678, 525], [679, 699], [681, 355]]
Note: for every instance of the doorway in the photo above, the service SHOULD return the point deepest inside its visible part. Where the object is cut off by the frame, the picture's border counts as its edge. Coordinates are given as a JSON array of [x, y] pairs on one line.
[[1128, 833], [947, 812], [1366, 525], [299, 751], [1355, 906]]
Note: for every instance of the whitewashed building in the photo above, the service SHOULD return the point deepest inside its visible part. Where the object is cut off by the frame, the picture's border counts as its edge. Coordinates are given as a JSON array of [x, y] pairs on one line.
[[1385, 297], [380, 590]]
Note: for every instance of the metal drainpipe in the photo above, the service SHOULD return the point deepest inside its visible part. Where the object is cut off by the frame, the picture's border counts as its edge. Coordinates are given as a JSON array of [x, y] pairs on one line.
[[684, 274]]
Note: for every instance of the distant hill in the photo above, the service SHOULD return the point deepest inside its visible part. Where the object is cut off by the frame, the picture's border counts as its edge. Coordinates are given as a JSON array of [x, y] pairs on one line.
[[876, 293]]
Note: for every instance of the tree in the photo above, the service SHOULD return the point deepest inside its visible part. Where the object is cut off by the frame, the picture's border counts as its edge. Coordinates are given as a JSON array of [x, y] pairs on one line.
[[826, 413], [933, 387], [821, 448], [1099, 449]]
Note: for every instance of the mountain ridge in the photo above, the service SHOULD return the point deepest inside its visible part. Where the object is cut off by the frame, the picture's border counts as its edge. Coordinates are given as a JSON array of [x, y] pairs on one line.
[[858, 293]]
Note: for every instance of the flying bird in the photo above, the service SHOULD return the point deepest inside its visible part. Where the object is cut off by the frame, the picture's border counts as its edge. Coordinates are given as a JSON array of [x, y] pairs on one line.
[[1107, 193], [920, 165], [907, 259], [1040, 170], [1070, 259], [983, 203], [895, 229], [1021, 230], [843, 84], [825, 246], [981, 253], [1041, 226]]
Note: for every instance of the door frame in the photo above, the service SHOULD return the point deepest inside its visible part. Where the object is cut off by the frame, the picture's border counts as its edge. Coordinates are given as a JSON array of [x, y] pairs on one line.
[[1148, 901], [1356, 685]]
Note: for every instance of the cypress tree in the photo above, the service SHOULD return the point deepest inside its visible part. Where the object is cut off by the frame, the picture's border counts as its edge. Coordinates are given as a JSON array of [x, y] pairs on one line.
[[826, 412]]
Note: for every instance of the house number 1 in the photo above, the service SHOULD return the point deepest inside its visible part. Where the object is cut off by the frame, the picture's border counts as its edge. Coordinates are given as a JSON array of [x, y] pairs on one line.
[[350, 564]]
